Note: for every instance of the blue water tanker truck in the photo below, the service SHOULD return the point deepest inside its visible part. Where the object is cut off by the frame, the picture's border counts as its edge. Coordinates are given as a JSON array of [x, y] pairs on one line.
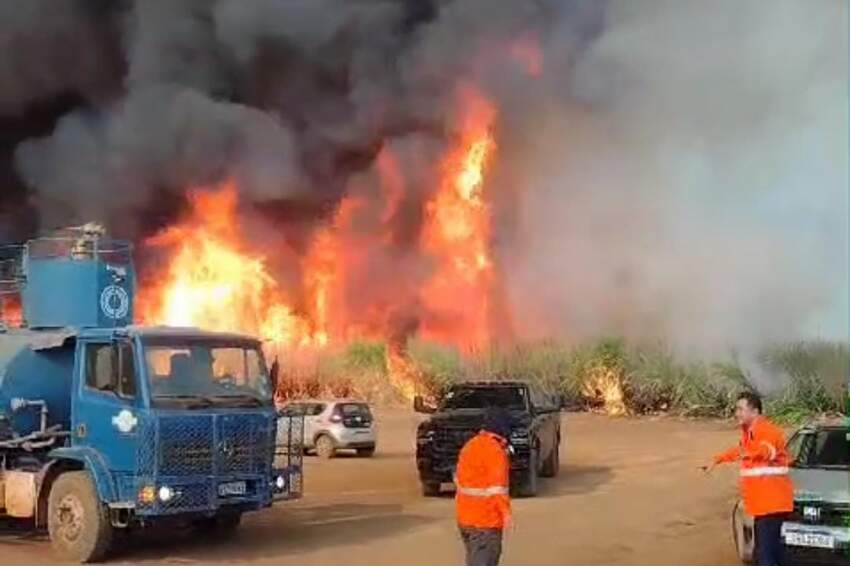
[[107, 426]]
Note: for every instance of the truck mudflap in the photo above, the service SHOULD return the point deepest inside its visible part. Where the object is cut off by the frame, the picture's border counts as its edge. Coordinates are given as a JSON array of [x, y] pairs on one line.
[[288, 458]]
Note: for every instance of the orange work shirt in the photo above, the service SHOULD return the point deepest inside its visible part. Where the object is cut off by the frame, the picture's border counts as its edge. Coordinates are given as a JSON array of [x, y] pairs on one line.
[[482, 500], [766, 487]]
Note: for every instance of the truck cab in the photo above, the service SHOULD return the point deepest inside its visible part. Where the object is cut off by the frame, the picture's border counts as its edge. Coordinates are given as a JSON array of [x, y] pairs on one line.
[[106, 427]]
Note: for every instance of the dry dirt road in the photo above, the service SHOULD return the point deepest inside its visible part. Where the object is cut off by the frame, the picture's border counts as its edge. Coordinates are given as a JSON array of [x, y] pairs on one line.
[[629, 493]]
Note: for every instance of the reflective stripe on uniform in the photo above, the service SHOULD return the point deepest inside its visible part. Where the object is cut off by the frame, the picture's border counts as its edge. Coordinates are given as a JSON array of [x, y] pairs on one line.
[[483, 491], [764, 471]]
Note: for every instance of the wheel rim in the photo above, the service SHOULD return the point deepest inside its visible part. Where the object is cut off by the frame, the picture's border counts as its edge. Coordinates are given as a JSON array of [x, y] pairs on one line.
[[70, 518]]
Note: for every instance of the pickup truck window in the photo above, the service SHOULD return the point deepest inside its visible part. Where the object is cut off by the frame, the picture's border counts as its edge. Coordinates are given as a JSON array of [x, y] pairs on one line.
[[110, 368], [481, 397], [831, 449]]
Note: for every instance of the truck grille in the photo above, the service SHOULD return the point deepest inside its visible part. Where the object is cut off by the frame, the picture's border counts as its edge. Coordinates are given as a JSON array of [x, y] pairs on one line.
[[245, 445], [205, 445], [449, 441], [186, 447]]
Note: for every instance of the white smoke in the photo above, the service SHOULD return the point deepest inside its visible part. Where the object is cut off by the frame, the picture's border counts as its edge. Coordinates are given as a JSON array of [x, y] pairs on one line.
[[693, 187]]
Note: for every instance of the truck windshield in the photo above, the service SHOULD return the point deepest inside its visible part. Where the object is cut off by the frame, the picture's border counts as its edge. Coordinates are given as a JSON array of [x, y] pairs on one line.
[[199, 374], [511, 398]]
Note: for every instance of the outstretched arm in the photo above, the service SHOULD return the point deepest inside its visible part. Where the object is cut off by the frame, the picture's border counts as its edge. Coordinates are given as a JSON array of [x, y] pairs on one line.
[[728, 456]]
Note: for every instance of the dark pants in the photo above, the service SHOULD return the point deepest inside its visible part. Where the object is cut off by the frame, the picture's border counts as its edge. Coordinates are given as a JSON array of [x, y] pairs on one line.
[[769, 548], [483, 546]]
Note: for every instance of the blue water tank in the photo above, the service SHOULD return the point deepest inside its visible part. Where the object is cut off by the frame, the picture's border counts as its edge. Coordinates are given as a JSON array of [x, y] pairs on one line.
[[70, 285], [36, 366]]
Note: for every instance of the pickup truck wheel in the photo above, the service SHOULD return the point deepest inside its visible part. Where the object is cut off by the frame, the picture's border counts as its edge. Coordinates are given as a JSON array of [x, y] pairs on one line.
[[552, 463], [77, 522], [430, 489], [742, 533], [325, 447], [528, 484]]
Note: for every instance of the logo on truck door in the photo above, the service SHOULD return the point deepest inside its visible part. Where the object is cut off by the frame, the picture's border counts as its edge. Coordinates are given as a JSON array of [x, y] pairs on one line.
[[125, 421], [114, 302]]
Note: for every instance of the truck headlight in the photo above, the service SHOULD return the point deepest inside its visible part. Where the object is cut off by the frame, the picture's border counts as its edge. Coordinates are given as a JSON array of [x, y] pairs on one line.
[[425, 438], [279, 483], [166, 494], [519, 437]]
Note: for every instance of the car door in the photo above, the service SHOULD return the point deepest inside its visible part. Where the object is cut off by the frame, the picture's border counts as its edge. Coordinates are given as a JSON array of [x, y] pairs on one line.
[[313, 422], [105, 415]]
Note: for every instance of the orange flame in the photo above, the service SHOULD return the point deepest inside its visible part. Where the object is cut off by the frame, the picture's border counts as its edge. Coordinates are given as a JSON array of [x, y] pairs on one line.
[[212, 283], [604, 387], [457, 234], [213, 279]]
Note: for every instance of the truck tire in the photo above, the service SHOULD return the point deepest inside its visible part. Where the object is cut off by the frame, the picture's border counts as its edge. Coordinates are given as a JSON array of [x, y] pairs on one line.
[[77, 522], [325, 447], [528, 485], [430, 489], [552, 464]]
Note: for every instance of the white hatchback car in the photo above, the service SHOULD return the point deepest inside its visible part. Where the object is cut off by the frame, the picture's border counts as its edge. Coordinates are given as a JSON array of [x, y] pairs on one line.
[[332, 425]]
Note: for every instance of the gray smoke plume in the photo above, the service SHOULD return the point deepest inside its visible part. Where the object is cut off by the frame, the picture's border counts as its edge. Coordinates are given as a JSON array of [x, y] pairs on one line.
[[49, 47], [692, 186], [677, 170]]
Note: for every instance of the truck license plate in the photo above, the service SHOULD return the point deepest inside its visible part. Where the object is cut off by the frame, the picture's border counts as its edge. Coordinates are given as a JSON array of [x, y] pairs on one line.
[[814, 540], [232, 488]]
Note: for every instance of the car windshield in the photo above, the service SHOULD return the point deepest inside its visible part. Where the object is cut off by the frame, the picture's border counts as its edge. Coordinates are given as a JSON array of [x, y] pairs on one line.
[[482, 397], [204, 373], [830, 449]]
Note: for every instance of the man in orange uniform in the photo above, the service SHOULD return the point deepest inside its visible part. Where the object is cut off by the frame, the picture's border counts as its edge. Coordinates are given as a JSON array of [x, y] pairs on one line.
[[483, 502], [765, 485]]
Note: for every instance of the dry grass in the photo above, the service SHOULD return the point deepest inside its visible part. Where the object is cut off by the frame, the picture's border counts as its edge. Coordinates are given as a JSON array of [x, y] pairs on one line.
[[811, 376]]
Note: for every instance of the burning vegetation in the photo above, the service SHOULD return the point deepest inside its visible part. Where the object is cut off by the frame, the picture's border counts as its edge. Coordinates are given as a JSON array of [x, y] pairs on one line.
[[325, 174], [208, 274]]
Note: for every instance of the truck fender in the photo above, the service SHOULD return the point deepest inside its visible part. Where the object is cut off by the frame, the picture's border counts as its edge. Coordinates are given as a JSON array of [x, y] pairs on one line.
[[46, 476], [94, 464]]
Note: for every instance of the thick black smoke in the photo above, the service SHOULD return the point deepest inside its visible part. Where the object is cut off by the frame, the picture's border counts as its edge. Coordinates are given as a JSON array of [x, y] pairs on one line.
[[677, 170]]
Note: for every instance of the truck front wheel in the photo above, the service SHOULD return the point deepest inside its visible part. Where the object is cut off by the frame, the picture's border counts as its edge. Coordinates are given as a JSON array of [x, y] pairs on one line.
[[78, 523]]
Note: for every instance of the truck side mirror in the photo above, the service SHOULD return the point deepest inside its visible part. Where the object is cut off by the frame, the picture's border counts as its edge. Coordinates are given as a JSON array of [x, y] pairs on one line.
[[420, 407], [273, 375]]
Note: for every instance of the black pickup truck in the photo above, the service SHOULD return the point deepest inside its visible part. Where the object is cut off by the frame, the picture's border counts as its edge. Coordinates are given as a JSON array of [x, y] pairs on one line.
[[535, 432]]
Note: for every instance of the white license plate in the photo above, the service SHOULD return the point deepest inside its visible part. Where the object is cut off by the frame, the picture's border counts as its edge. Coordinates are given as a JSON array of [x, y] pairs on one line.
[[814, 540], [232, 488]]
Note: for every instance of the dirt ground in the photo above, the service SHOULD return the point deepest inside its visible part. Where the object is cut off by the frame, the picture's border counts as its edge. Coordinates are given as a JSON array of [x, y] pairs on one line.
[[629, 493]]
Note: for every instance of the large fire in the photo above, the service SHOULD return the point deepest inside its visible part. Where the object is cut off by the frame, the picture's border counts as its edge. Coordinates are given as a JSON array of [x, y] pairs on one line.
[[212, 282], [214, 279], [458, 232]]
